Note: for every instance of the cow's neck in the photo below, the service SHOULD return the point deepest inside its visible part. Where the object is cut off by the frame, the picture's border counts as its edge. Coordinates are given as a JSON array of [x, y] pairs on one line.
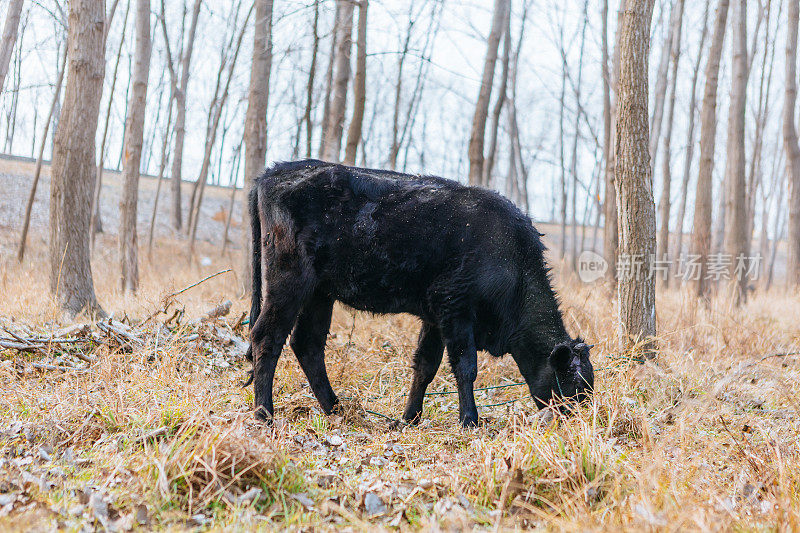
[[541, 325]]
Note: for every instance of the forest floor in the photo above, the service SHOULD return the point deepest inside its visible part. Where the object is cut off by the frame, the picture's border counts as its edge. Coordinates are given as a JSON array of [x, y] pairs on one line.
[[143, 424]]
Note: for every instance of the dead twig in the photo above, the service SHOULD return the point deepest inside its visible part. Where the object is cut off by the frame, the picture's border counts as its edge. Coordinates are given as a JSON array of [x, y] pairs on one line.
[[193, 285], [19, 346]]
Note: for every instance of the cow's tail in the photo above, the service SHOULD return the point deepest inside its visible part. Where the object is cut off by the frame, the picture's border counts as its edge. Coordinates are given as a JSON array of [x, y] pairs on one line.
[[255, 305]]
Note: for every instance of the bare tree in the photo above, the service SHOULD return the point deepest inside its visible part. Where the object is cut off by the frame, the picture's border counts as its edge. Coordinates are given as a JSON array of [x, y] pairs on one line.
[[312, 72], [237, 159], [476, 139], [606, 74], [96, 225], [576, 136], [255, 127], [736, 240], [518, 174], [10, 29], [502, 96], [661, 81], [791, 145], [398, 89], [73, 169], [359, 87], [755, 171], [334, 123], [562, 104], [610, 229], [8, 46], [26, 221], [662, 244], [690, 139], [180, 119], [637, 218], [412, 110], [134, 131], [162, 167], [215, 114], [701, 236], [326, 106]]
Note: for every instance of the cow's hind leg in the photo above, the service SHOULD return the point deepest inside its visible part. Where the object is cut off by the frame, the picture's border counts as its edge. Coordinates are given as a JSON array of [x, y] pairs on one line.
[[308, 344], [267, 338], [427, 359]]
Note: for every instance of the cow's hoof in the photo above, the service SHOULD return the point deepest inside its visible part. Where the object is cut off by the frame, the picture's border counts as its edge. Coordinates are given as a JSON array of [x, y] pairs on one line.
[[262, 415], [411, 419], [470, 421]]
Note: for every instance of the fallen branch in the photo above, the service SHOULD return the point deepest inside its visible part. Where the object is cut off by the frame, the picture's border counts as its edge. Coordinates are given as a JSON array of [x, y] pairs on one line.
[[19, 346], [193, 285], [115, 331], [167, 300]]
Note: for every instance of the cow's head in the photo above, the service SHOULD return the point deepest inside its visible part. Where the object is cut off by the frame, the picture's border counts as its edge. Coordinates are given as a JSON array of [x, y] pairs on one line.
[[567, 375]]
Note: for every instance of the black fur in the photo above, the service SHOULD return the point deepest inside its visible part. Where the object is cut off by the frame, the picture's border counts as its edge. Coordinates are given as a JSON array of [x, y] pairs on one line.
[[463, 259]]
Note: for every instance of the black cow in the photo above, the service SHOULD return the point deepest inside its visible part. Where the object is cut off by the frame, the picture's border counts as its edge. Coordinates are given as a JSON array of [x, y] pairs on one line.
[[463, 259]]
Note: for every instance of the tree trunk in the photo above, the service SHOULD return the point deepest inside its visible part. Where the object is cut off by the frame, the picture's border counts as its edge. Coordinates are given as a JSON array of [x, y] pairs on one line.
[[736, 241], [10, 29], [687, 162], [792, 148], [359, 87], [574, 160], [332, 136], [26, 222], [96, 226], [180, 119], [134, 132], [610, 229], [485, 94], [518, 174], [780, 233], [312, 72], [162, 167], [398, 92], [326, 106], [701, 236], [661, 82], [606, 73], [563, 181], [73, 167], [237, 159], [502, 96], [255, 129], [422, 75], [662, 244], [11, 126], [755, 172], [637, 218], [209, 119]]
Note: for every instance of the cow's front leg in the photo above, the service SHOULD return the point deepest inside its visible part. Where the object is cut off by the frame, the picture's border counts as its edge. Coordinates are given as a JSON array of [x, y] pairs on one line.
[[463, 358], [427, 359]]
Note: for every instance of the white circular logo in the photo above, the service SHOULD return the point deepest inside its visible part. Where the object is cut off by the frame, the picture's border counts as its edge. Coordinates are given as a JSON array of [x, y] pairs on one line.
[[591, 266]]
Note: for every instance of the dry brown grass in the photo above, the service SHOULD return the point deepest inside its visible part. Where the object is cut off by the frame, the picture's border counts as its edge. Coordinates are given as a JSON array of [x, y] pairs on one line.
[[705, 439]]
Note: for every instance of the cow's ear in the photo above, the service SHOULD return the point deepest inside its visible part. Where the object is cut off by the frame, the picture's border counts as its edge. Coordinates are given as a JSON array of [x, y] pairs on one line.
[[561, 357]]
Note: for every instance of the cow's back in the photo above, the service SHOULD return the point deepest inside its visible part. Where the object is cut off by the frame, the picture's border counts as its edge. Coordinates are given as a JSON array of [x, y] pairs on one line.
[[388, 242]]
